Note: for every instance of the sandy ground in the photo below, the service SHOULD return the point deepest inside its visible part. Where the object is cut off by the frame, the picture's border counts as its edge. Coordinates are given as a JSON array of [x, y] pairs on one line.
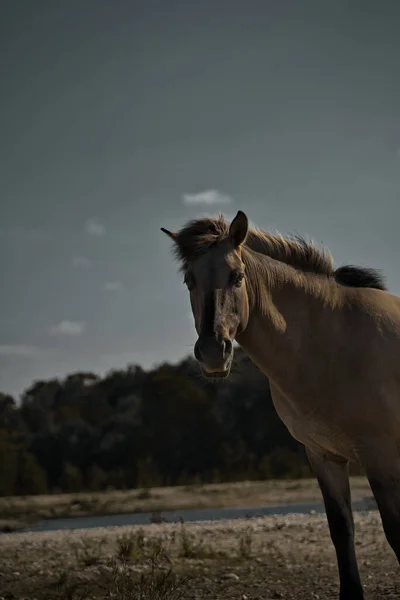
[[244, 493], [248, 559]]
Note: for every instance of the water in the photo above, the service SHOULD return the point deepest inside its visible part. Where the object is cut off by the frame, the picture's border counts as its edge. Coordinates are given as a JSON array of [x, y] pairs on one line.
[[188, 515]]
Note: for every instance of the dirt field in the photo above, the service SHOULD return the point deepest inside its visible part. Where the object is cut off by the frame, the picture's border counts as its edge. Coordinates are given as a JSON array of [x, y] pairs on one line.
[[266, 558], [244, 493]]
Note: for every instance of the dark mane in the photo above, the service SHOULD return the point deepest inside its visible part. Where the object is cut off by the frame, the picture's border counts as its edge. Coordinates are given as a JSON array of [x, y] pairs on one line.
[[199, 235], [352, 276]]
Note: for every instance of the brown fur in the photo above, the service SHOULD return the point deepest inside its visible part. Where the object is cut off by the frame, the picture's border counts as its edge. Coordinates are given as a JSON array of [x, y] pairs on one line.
[[329, 342], [198, 236]]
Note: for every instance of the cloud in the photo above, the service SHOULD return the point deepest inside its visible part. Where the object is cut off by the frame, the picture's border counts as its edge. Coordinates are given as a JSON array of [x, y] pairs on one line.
[[82, 262], [94, 227], [112, 286], [20, 350], [68, 328], [207, 197]]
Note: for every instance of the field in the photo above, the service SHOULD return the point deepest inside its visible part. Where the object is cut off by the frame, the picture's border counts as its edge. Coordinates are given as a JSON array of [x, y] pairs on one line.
[[250, 493], [246, 559], [288, 557]]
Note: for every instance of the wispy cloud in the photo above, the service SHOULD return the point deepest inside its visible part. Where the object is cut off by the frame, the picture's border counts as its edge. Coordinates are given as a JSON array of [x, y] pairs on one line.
[[94, 227], [68, 328], [81, 262], [207, 197], [20, 350], [112, 286]]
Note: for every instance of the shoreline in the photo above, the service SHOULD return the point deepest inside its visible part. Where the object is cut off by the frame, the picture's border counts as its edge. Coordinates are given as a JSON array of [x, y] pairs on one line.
[[29, 509], [288, 556]]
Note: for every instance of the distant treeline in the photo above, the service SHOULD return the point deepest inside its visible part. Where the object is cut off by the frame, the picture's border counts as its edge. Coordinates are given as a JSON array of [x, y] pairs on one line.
[[136, 428]]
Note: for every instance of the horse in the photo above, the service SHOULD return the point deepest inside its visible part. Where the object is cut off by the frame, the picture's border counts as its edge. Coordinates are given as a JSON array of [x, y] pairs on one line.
[[327, 339]]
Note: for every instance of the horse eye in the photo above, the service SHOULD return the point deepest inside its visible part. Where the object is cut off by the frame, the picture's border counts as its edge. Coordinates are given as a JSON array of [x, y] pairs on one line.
[[189, 281], [237, 278]]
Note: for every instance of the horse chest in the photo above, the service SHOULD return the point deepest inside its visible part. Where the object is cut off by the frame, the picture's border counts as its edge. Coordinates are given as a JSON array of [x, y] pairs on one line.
[[310, 427], [294, 416]]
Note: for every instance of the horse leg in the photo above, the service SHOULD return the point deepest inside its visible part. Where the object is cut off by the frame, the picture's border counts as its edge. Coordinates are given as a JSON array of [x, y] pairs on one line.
[[384, 480], [333, 480]]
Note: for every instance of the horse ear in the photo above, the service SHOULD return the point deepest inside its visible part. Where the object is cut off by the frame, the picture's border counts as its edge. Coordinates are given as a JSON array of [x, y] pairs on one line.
[[238, 229], [170, 234]]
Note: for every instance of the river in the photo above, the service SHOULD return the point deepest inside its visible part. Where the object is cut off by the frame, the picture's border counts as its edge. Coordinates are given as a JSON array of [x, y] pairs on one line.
[[188, 515]]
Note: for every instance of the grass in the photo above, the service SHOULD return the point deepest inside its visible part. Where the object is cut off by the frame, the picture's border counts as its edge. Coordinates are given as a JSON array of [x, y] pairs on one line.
[[64, 589], [287, 557], [153, 583], [245, 544], [155, 580], [157, 500], [88, 554], [190, 546]]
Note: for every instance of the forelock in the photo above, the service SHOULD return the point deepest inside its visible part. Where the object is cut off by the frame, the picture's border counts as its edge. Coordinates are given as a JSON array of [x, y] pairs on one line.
[[198, 237]]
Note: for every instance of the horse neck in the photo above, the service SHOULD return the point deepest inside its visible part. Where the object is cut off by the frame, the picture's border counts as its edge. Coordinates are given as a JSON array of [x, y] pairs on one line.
[[285, 337]]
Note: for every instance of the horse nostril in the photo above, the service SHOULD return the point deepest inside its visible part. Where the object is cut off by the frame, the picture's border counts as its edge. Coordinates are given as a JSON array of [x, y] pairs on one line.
[[227, 347], [197, 353]]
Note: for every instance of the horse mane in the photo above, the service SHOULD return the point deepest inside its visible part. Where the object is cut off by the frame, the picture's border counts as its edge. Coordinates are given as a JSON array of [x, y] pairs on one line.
[[353, 276], [199, 235]]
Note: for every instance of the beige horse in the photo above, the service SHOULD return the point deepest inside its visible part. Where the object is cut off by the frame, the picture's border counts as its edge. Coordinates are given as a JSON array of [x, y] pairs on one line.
[[329, 342]]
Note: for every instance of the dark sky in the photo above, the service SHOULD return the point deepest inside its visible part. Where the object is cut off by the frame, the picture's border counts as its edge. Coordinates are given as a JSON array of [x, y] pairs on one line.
[[118, 117]]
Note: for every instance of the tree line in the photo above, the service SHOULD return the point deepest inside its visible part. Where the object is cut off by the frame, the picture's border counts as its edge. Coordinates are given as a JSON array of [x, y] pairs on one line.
[[137, 428]]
